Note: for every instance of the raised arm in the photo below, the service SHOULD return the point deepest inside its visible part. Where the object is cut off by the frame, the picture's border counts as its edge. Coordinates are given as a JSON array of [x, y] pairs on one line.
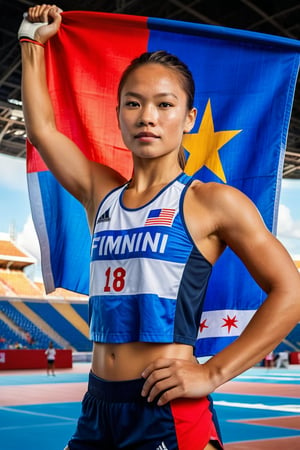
[[87, 181]]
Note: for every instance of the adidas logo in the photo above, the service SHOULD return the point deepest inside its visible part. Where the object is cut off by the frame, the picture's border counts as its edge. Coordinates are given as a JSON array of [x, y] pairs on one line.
[[162, 446], [104, 217]]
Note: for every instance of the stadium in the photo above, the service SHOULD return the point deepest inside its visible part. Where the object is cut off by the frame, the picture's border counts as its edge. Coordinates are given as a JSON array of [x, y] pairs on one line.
[[257, 410]]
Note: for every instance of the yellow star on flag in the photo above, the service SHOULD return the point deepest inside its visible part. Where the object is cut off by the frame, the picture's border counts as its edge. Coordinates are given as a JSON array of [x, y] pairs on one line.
[[204, 146]]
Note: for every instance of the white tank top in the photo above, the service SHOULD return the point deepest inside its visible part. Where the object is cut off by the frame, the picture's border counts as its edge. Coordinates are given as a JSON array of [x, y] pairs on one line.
[[147, 279]]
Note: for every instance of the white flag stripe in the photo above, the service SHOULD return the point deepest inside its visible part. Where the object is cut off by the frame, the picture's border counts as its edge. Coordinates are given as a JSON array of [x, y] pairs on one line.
[[224, 323]]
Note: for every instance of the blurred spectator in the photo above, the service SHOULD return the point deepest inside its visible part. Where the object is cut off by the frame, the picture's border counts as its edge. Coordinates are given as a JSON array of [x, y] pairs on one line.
[[50, 353], [282, 360], [269, 360]]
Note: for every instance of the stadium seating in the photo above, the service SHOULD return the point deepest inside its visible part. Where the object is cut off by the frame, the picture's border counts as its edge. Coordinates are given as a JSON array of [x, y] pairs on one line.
[[28, 333], [63, 327]]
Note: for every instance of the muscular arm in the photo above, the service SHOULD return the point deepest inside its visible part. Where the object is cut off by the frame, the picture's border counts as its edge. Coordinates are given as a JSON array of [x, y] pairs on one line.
[[234, 220], [241, 227], [86, 180]]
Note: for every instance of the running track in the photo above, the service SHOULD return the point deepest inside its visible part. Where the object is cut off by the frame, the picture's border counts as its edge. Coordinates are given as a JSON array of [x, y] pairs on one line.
[[258, 410]]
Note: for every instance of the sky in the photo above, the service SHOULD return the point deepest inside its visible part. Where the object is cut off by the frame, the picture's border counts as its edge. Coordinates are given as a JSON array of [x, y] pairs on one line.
[[15, 215]]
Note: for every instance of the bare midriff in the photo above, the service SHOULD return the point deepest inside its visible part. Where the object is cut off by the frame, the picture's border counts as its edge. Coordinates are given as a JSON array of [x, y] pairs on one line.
[[116, 362]]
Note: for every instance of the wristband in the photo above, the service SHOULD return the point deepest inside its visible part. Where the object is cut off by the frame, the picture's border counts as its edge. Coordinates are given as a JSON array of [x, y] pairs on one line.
[[32, 42], [27, 29]]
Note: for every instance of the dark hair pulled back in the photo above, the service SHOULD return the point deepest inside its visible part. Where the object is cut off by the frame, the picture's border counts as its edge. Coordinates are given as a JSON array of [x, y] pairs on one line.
[[171, 62]]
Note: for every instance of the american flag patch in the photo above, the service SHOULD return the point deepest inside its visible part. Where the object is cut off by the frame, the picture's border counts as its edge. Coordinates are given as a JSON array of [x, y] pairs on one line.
[[163, 216]]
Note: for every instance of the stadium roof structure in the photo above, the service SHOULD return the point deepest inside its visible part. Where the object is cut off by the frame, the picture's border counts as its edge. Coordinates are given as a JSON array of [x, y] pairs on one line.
[[14, 257], [14, 281], [277, 17]]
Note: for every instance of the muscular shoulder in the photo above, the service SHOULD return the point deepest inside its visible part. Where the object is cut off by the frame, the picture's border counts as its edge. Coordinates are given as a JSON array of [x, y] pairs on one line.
[[224, 208], [216, 197]]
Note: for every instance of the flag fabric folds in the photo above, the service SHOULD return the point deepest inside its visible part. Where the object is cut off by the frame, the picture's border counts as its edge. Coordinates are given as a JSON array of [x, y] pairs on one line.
[[245, 84]]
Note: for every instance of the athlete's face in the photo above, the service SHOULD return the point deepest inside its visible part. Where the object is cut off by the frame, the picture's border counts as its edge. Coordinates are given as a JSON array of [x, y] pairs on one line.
[[153, 112]]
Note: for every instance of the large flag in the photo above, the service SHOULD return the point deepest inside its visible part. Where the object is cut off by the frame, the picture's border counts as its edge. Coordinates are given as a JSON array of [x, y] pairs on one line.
[[245, 85]]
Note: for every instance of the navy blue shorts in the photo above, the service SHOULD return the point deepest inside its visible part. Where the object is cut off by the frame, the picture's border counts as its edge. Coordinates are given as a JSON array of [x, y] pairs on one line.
[[115, 416]]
